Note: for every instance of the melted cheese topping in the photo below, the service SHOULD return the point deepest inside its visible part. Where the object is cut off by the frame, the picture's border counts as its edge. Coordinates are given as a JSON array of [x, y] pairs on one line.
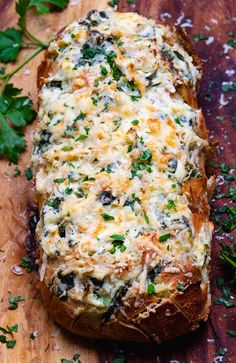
[[116, 142]]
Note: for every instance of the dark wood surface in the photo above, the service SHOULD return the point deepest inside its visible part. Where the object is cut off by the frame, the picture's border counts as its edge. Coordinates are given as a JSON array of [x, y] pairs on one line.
[[209, 18]]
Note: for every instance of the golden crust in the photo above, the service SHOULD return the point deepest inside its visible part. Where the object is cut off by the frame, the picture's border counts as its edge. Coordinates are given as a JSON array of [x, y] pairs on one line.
[[173, 316]]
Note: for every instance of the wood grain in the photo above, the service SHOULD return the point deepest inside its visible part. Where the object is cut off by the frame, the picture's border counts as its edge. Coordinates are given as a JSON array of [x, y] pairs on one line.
[[212, 18]]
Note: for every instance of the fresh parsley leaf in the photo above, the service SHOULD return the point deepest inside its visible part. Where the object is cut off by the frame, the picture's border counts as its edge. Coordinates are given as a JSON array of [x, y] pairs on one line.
[[19, 110], [104, 71], [10, 44]]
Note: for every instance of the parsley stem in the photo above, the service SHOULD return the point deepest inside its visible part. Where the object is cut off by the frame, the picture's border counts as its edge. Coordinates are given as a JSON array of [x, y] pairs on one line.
[[7, 76], [34, 39]]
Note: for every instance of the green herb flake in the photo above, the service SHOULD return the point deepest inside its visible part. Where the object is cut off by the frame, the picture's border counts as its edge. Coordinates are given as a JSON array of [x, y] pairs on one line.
[[130, 148], [135, 122], [27, 263], [229, 87], [13, 301], [104, 71], [198, 37], [19, 111], [68, 191], [146, 155], [146, 217], [119, 358], [178, 122], [230, 332], [171, 204], [151, 289], [67, 148], [180, 286], [59, 180], [164, 237], [81, 137], [118, 237], [10, 44], [232, 43], [17, 172], [113, 3], [28, 174], [10, 343], [81, 116], [107, 217]]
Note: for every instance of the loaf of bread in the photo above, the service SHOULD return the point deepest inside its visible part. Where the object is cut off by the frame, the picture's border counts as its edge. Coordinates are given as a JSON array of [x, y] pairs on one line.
[[124, 234]]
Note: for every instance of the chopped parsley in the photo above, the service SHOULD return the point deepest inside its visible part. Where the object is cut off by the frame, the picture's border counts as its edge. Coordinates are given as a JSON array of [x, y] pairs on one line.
[[232, 43], [117, 243], [59, 180], [81, 116], [107, 217], [146, 155], [171, 204], [27, 263], [180, 286], [230, 332], [146, 217], [151, 289], [17, 172], [104, 71], [113, 3], [135, 122], [28, 173], [198, 37], [230, 87], [68, 191], [164, 237], [81, 137], [13, 301], [54, 203], [67, 148], [178, 122], [117, 123], [131, 201]]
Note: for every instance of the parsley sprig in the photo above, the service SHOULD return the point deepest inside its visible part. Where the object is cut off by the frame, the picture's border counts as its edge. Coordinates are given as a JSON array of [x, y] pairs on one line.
[[17, 112]]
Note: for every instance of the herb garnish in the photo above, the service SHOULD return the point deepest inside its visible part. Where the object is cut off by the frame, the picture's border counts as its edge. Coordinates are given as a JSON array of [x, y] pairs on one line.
[[19, 110], [151, 289], [107, 217], [8, 331], [13, 301]]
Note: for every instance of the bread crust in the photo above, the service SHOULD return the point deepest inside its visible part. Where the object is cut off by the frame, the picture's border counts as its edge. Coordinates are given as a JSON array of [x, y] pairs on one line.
[[172, 317]]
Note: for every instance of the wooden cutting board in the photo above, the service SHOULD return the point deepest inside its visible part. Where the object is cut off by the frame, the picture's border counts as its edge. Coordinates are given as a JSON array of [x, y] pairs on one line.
[[210, 18]]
